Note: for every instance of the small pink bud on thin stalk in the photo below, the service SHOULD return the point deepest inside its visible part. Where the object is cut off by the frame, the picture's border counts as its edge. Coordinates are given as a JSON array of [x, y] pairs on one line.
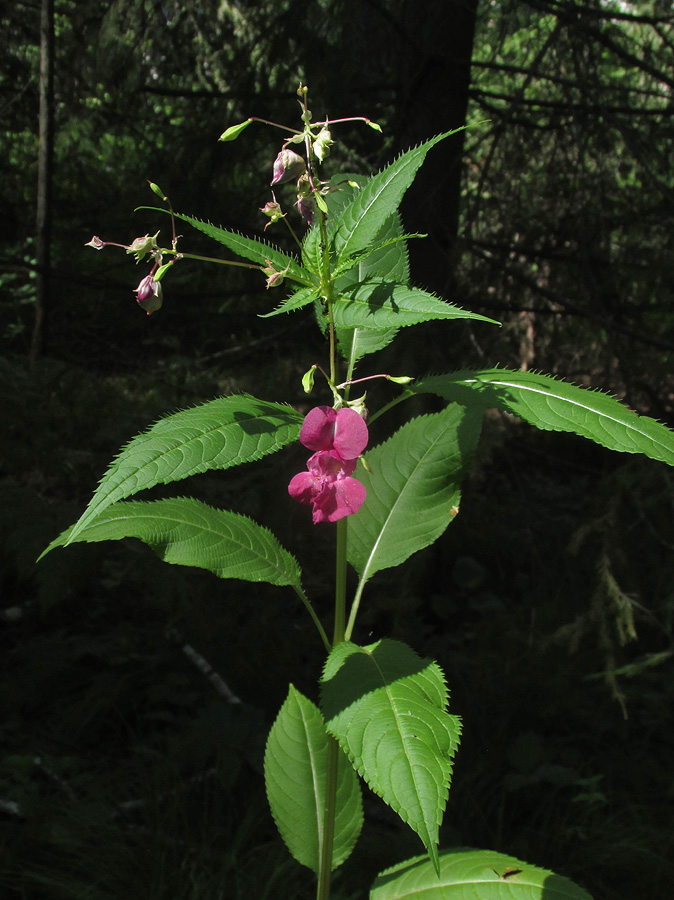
[[149, 295], [274, 276], [96, 243], [272, 209], [306, 202], [288, 166]]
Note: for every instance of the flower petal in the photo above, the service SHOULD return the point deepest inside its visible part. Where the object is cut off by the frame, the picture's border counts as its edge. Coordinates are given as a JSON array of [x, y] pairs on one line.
[[339, 499], [351, 435], [318, 428], [304, 487]]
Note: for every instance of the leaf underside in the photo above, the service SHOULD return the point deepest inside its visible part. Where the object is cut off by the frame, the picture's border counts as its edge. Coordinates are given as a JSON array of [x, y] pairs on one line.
[[186, 532], [387, 708], [295, 775], [554, 405], [468, 874], [224, 432]]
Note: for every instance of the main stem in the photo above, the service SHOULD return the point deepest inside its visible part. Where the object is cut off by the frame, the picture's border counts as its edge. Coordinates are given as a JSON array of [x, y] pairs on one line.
[[330, 807]]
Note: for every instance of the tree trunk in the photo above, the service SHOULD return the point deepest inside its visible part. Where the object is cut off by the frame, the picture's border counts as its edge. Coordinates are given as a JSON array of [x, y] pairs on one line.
[[435, 72], [44, 178]]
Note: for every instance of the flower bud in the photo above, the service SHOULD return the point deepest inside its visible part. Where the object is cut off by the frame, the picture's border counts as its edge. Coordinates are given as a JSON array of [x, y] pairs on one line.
[[322, 143], [307, 208], [288, 166], [149, 295], [272, 209], [96, 243], [274, 276], [306, 202], [141, 246]]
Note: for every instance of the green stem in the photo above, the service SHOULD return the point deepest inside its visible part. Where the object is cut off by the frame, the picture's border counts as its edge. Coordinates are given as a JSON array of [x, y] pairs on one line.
[[330, 806], [213, 259], [230, 262], [354, 610], [317, 622], [340, 582], [325, 870], [292, 231], [380, 412]]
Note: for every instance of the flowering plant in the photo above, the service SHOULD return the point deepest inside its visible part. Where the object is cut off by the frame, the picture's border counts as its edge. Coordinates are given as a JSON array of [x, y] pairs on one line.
[[383, 711]]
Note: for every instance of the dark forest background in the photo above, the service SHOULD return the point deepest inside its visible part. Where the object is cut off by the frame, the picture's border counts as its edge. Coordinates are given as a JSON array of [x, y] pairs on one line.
[[549, 602]]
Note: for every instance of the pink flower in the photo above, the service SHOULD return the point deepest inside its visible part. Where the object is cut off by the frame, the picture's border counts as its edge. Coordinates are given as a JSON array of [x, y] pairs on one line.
[[288, 166], [338, 437], [149, 295]]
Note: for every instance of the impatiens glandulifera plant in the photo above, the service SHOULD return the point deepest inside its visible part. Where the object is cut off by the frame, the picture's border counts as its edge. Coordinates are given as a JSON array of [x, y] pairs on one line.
[[382, 712]]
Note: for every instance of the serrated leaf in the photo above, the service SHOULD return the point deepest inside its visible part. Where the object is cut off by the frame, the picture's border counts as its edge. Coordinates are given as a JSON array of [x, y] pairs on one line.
[[187, 532], [336, 200], [467, 874], [355, 343], [295, 776], [249, 248], [300, 298], [391, 259], [380, 303], [361, 220], [554, 405], [387, 708], [353, 262], [224, 432], [414, 488]]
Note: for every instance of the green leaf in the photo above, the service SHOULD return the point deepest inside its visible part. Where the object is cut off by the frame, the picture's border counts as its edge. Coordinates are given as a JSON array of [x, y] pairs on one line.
[[353, 262], [553, 405], [361, 220], [414, 488], [390, 259], [336, 200], [300, 298], [249, 248], [379, 303], [387, 708], [224, 432], [295, 775], [468, 874], [186, 532], [355, 343]]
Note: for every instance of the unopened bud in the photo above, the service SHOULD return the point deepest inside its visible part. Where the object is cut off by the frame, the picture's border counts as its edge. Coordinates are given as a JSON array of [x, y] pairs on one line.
[[308, 380], [288, 166], [149, 295], [359, 406], [274, 276], [307, 208], [306, 202], [322, 143], [96, 243], [157, 190], [272, 209]]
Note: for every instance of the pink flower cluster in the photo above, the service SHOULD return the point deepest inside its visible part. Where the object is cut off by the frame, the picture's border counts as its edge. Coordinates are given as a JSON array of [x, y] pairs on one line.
[[338, 437]]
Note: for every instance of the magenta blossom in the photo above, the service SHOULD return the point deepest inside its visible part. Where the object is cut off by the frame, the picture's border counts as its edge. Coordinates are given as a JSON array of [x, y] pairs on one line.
[[149, 295], [338, 437]]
